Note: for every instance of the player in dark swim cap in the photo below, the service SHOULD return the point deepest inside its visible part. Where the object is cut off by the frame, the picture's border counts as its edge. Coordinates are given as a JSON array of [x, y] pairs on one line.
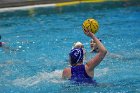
[[79, 72], [76, 56]]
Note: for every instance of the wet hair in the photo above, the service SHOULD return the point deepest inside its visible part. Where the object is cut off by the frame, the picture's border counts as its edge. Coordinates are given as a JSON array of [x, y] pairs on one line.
[[98, 39], [76, 55]]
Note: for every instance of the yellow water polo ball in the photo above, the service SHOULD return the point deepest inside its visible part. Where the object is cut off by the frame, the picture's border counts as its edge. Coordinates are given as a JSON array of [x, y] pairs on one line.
[[91, 25]]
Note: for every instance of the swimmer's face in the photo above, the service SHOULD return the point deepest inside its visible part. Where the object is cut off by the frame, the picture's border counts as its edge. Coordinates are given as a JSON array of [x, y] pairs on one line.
[[93, 44]]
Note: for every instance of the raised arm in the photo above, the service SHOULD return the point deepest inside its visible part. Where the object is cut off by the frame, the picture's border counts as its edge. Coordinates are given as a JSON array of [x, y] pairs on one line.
[[99, 56]]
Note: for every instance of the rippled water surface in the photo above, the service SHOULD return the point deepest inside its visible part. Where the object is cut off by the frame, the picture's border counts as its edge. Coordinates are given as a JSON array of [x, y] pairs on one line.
[[40, 40]]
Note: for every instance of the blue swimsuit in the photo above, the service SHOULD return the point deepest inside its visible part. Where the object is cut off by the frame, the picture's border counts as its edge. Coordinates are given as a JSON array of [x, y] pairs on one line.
[[79, 75]]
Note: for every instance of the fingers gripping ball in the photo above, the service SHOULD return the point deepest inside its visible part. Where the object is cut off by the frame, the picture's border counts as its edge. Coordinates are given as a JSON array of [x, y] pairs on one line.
[[90, 25]]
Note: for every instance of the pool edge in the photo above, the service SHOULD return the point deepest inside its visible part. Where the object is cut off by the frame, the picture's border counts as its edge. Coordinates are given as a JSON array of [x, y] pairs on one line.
[[61, 4]]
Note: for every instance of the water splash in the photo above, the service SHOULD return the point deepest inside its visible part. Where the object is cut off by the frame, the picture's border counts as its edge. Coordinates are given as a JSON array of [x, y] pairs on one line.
[[53, 77], [101, 72]]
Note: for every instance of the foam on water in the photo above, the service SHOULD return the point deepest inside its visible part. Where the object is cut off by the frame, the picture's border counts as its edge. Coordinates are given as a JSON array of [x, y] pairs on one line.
[[101, 72], [53, 77]]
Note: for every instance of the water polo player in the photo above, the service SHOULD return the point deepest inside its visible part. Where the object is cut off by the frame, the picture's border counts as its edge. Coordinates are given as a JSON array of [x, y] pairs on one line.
[[79, 72], [1, 43], [93, 46]]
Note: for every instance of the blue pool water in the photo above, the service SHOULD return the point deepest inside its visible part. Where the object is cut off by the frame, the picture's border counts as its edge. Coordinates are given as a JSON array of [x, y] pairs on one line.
[[43, 38]]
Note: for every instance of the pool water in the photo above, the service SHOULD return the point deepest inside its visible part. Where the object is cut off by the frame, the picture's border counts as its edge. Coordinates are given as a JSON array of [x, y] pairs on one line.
[[40, 40]]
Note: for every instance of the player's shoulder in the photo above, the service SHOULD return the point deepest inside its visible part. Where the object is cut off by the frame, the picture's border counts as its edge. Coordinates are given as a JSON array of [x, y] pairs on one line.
[[66, 73], [66, 70]]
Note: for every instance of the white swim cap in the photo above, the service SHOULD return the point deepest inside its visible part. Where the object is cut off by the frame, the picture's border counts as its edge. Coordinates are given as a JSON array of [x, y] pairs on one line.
[[77, 45]]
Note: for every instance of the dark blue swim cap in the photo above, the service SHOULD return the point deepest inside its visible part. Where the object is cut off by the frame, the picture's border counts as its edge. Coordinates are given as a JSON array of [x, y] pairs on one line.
[[76, 55]]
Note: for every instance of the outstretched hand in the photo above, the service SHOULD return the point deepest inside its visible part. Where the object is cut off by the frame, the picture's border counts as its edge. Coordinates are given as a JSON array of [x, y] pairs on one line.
[[88, 33]]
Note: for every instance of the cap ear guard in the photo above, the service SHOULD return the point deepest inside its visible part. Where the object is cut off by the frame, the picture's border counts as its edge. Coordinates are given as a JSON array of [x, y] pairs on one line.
[[76, 55]]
